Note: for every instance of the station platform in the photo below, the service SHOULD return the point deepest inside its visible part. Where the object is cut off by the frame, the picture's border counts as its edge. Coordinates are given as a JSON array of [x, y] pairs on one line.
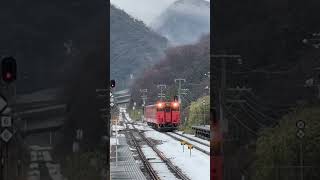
[[126, 167]]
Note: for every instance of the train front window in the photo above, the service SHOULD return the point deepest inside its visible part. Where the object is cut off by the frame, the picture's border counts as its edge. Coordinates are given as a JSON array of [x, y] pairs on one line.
[[167, 109]]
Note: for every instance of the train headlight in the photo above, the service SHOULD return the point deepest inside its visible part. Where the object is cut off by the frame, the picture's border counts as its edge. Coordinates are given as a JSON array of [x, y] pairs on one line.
[[175, 105], [160, 105]]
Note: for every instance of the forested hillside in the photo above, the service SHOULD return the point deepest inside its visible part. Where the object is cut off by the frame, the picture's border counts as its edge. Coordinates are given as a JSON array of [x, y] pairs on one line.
[[276, 64], [268, 35], [190, 62], [133, 46]]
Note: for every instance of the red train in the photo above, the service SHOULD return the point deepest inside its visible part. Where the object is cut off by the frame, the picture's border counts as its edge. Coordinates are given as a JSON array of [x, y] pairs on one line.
[[164, 116]]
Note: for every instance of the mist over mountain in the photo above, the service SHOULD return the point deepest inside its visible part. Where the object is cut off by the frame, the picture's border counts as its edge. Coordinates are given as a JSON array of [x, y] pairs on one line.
[[133, 46], [184, 21]]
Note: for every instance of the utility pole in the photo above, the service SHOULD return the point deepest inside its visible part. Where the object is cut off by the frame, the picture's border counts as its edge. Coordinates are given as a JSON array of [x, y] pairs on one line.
[[161, 86], [208, 87], [220, 125], [144, 96], [179, 90], [222, 88], [317, 80], [8, 77], [204, 112]]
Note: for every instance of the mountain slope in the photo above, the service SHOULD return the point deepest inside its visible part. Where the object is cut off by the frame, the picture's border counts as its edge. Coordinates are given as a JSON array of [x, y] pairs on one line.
[[184, 21], [133, 46], [190, 62]]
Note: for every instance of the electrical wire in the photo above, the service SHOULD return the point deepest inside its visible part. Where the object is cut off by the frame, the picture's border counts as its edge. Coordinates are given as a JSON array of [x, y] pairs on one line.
[[242, 123], [253, 118]]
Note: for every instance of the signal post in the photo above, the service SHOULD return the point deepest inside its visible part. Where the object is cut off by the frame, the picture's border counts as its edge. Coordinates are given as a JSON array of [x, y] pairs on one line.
[[7, 102]]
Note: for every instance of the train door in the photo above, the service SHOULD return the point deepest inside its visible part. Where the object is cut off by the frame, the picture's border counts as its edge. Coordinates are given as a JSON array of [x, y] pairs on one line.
[[175, 109], [160, 116], [175, 116], [168, 115]]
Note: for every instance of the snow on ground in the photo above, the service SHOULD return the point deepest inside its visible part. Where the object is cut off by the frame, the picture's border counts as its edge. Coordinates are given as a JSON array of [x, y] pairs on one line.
[[34, 166], [118, 127], [46, 156], [160, 167], [113, 141], [43, 153], [197, 167], [194, 137], [142, 127], [34, 175], [127, 116], [119, 135], [206, 148], [33, 156], [54, 171], [130, 126]]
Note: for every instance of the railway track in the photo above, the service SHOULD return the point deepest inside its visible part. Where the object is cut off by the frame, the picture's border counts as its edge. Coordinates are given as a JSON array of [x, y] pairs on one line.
[[172, 167], [145, 161], [196, 147], [191, 139]]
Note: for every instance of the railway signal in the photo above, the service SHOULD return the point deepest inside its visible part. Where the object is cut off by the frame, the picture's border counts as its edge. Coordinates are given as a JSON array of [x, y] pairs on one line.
[[113, 83], [300, 125], [9, 69]]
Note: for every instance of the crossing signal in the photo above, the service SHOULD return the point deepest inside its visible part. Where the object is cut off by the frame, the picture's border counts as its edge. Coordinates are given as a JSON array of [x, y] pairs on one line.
[[9, 69], [113, 83]]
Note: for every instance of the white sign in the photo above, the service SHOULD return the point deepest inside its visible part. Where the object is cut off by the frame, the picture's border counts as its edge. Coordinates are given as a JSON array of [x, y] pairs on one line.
[[3, 103], [300, 134], [6, 121], [7, 110], [300, 124], [6, 135]]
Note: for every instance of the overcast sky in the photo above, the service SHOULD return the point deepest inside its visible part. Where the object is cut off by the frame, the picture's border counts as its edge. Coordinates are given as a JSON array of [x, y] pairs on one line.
[[145, 10]]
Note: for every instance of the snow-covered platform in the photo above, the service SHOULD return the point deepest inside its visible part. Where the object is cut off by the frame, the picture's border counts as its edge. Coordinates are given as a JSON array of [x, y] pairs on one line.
[[126, 167]]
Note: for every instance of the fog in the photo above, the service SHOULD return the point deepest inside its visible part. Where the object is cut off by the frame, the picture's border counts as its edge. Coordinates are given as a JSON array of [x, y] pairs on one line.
[[145, 10]]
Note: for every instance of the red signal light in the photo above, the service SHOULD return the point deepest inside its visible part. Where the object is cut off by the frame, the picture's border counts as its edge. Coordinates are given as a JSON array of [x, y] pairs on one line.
[[8, 69], [8, 75]]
